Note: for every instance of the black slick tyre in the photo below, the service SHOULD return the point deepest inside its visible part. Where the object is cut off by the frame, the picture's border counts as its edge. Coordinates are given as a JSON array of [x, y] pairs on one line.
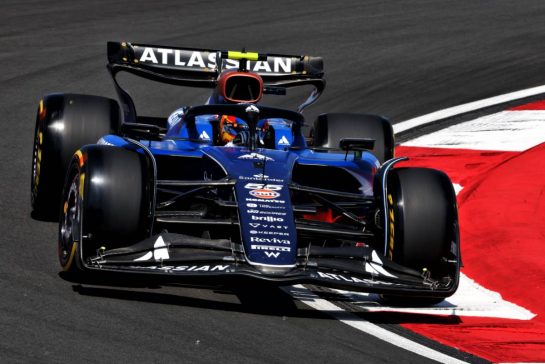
[[105, 203], [330, 129], [423, 225], [64, 123]]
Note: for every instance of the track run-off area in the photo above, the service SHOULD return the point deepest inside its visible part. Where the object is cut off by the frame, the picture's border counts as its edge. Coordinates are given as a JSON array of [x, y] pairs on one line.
[[496, 161], [499, 162]]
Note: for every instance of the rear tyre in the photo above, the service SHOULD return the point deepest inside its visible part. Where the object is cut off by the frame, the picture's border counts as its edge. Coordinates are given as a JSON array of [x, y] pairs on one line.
[[330, 129], [64, 123], [105, 203], [422, 211]]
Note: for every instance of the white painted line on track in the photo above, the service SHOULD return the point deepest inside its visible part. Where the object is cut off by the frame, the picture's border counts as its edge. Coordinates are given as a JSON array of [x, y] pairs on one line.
[[471, 299], [460, 109], [457, 188], [307, 297], [505, 131]]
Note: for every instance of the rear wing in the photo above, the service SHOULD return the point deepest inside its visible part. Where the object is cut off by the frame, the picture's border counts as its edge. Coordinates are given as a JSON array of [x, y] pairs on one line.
[[196, 67]]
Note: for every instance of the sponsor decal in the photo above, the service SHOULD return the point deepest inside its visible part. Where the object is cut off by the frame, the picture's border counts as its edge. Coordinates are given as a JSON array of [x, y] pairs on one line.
[[253, 156], [267, 218], [255, 224], [271, 201], [103, 141], [272, 254], [283, 141], [265, 226], [391, 227], [204, 136], [259, 212], [37, 159], [261, 177], [277, 213], [271, 213], [159, 252], [252, 109], [270, 207], [258, 186], [271, 248], [258, 239], [341, 277], [264, 193], [198, 59], [263, 232], [186, 268], [251, 205]]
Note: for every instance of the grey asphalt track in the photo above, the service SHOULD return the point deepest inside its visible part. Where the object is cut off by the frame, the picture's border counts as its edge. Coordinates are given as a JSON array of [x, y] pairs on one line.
[[396, 58]]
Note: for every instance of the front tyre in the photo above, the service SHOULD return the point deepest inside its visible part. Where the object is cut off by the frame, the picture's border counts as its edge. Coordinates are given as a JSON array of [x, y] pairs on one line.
[[105, 203], [423, 226]]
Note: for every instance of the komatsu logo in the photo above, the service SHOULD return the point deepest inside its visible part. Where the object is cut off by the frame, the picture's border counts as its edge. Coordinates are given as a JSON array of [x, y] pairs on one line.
[[198, 59]]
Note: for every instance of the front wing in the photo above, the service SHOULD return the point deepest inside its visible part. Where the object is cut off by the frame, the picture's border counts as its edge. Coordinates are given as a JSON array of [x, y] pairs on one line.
[[178, 257]]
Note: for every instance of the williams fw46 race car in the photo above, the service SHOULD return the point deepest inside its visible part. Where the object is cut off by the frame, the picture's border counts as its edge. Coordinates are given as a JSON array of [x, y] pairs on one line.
[[232, 188]]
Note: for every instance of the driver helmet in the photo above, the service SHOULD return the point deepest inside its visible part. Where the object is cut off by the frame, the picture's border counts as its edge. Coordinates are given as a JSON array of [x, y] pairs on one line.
[[229, 128]]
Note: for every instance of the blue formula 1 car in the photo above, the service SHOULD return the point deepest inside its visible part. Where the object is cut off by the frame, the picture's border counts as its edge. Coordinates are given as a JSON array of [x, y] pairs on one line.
[[173, 199]]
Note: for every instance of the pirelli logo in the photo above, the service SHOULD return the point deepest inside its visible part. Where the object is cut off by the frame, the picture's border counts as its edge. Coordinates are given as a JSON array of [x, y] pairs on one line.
[[391, 227]]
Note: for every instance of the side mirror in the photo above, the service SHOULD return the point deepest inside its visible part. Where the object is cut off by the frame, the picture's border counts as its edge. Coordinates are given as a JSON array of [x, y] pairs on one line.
[[357, 144], [142, 131]]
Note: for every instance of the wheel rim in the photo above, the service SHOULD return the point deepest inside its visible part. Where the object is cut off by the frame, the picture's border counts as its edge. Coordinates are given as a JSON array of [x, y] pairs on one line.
[[70, 223]]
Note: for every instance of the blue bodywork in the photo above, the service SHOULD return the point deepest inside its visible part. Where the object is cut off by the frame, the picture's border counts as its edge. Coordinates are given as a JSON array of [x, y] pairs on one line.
[[263, 175]]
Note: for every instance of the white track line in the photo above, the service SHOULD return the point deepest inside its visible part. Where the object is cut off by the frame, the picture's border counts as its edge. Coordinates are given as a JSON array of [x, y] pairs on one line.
[[306, 296], [505, 130], [460, 109], [471, 299]]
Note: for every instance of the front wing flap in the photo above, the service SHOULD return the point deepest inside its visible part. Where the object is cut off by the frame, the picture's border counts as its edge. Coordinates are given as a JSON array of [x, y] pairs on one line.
[[354, 268]]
